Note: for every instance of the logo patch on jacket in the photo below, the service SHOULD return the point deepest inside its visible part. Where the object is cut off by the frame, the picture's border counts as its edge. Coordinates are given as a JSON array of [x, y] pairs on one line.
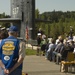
[[6, 58], [8, 48]]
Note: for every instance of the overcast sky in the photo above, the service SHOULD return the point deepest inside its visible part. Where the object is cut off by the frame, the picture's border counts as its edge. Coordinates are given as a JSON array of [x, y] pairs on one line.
[[43, 5], [5, 6], [58, 5]]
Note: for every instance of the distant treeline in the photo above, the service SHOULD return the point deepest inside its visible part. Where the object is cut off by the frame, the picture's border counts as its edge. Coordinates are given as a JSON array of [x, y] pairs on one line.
[[60, 23], [4, 24]]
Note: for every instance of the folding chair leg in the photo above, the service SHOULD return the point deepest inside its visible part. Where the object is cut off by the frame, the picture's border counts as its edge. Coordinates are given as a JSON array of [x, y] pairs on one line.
[[60, 67], [74, 67], [70, 68], [64, 68]]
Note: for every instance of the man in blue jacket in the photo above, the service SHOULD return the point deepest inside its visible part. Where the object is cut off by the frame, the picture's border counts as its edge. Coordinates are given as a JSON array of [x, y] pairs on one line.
[[12, 53]]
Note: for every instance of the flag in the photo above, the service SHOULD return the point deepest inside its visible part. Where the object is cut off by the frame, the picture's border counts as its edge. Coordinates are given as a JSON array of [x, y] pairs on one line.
[[27, 35]]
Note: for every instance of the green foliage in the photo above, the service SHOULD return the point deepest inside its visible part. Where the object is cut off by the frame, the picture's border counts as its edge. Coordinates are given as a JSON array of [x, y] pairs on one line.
[[36, 13], [59, 25], [4, 24], [30, 52]]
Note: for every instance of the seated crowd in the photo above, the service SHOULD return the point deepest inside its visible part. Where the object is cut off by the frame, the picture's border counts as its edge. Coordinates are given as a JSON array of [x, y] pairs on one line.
[[57, 50]]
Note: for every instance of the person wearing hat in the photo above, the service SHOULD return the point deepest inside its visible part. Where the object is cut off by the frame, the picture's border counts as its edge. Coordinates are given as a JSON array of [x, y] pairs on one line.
[[3, 28], [12, 53]]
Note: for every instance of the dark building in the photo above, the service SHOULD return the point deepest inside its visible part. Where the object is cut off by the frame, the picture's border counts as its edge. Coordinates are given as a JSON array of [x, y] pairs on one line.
[[25, 11]]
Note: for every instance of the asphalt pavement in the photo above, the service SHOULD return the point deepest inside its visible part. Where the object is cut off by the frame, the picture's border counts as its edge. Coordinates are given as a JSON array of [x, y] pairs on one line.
[[38, 65]]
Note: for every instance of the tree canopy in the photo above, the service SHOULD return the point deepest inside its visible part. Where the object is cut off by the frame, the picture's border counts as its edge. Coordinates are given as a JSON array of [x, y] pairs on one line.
[[59, 25]]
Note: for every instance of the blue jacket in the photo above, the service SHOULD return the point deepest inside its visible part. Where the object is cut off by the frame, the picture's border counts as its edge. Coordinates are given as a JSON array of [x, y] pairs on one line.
[[10, 52]]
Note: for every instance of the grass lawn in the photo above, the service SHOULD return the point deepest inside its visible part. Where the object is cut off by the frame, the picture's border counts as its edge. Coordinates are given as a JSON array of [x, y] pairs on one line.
[[30, 52]]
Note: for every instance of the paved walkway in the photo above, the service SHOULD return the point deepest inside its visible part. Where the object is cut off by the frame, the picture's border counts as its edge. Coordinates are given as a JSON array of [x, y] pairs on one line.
[[31, 47], [38, 65]]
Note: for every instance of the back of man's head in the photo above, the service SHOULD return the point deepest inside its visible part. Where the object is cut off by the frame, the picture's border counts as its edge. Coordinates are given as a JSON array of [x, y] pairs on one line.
[[13, 30]]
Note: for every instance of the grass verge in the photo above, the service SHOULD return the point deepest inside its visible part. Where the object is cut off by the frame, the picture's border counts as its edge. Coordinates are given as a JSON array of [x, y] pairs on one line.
[[30, 52]]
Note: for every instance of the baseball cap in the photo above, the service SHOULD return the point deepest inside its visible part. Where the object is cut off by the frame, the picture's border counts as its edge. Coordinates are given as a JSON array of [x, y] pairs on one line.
[[39, 34], [3, 28], [13, 29]]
